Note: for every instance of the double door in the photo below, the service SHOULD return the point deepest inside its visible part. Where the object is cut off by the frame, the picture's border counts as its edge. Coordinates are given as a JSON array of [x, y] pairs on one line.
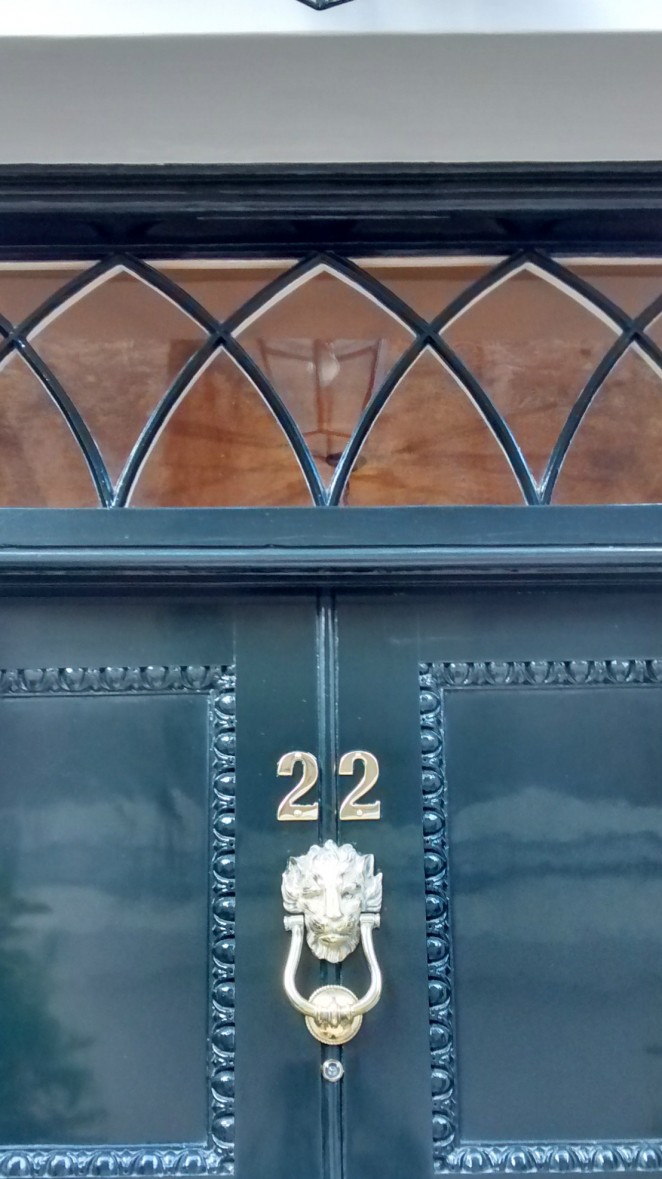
[[514, 743]]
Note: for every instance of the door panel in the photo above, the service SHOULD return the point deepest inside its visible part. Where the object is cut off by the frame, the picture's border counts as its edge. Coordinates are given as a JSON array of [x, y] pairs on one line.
[[554, 817], [535, 811], [103, 840]]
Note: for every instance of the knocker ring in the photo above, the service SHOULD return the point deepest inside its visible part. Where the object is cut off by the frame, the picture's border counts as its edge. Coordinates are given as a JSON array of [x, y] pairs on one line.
[[333, 898]]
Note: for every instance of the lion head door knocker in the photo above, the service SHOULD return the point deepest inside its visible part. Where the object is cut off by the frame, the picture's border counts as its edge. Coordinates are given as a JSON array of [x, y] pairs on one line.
[[334, 896]]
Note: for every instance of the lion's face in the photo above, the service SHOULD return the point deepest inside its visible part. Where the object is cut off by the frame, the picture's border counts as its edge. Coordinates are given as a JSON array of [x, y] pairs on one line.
[[331, 886]]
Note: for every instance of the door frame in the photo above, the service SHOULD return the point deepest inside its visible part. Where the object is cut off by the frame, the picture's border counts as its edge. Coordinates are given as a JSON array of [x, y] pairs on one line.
[[48, 213], [96, 212], [318, 548], [53, 211]]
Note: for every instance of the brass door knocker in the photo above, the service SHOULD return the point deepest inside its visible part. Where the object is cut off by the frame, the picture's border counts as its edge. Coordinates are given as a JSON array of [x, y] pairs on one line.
[[334, 897]]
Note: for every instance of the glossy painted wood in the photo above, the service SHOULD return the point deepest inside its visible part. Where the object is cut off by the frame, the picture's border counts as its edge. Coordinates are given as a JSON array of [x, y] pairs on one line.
[[529, 793], [556, 877], [387, 1098], [303, 549], [278, 1082], [68, 211], [107, 843], [553, 874], [106, 830], [104, 805]]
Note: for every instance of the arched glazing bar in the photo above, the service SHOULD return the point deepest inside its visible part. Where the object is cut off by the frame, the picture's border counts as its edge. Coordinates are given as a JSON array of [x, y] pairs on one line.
[[15, 341], [633, 332], [218, 334], [425, 336], [225, 334]]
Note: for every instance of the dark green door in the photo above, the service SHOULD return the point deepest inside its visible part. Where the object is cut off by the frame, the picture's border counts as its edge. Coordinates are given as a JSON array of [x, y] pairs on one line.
[[520, 738], [144, 1024], [141, 931]]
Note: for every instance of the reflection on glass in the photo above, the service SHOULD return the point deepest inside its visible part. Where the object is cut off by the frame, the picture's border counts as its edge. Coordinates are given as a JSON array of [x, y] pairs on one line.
[[41, 464], [116, 350], [222, 447], [532, 346], [614, 457], [428, 284], [325, 347], [431, 445]]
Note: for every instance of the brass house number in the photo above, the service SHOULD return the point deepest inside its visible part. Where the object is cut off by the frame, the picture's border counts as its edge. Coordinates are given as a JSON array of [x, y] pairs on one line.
[[293, 810]]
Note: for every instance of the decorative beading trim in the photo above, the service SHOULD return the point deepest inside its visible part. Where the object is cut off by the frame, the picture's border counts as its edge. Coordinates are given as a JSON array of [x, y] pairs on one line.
[[439, 946], [557, 673]]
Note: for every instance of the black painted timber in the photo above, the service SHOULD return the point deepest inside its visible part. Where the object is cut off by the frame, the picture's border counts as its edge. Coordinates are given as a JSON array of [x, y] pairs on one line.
[[85, 211], [310, 547]]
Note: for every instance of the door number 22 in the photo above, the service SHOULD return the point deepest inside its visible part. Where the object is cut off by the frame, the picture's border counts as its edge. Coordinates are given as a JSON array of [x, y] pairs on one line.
[[292, 810]]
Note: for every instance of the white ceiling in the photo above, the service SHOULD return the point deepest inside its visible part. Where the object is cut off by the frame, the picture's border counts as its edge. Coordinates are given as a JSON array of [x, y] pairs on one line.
[[236, 81], [133, 18]]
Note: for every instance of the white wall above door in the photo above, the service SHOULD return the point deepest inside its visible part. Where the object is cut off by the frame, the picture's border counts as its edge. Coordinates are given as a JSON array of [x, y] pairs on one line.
[[242, 81]]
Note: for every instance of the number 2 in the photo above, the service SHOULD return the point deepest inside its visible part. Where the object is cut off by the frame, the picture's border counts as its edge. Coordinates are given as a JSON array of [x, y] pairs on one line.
[[291, 810], [348, 807], [288, 811]]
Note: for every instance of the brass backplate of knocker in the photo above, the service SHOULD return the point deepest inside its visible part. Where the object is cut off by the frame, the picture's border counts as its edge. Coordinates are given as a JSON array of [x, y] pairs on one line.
[[333, 898]]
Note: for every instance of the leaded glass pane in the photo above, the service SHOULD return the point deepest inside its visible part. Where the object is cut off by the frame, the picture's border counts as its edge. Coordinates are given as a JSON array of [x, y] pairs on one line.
[[384, 381]]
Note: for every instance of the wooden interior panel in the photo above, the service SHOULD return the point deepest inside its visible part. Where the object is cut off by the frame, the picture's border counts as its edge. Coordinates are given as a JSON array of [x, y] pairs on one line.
[[614, 457], [428, 285], [23, 288], [630, 283], [223, 287], [431, 445], [116, 350], [532, 346], [41, 464], [222, 447]]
